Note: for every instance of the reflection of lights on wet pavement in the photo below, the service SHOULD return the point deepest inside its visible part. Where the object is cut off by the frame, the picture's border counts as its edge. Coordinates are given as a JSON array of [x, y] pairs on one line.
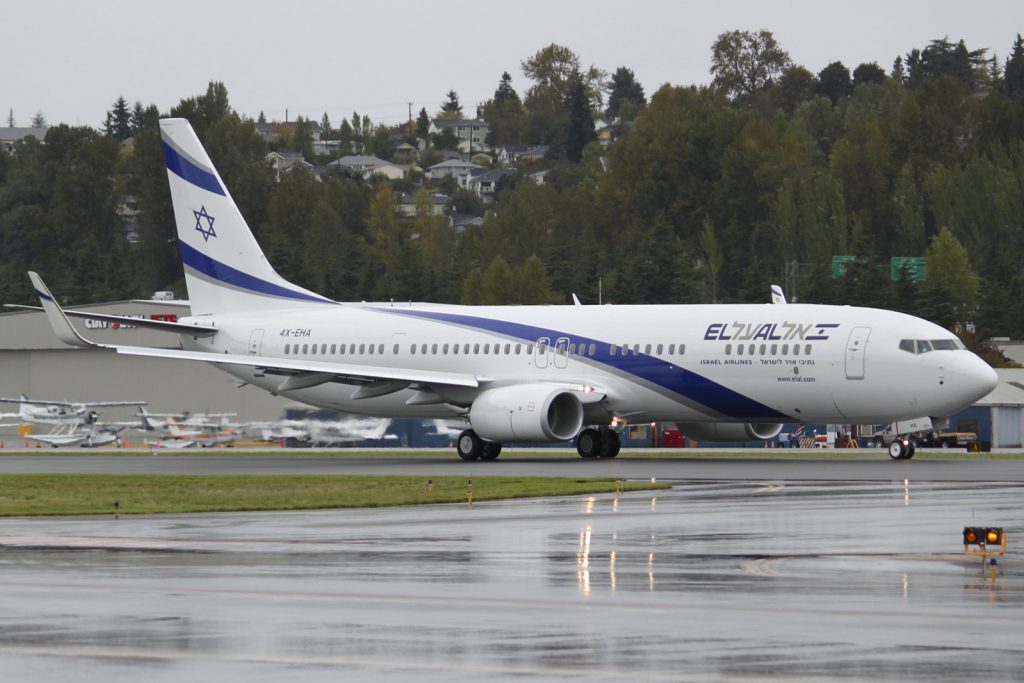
[[906, 492], [905, 585], [650, 572], [583, 562], [611, 571], [588, 505], [654, 503]]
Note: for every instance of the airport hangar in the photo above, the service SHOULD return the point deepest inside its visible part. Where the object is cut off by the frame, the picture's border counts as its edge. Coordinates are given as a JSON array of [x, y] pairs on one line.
[[34, 362]]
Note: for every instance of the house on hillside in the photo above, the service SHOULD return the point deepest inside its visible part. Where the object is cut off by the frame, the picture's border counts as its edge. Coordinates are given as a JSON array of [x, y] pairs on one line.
[[366, 166], [510, 154], [451, 168], [471, 133], [484, 182], [408, 202], [287, 162], [10, 136]]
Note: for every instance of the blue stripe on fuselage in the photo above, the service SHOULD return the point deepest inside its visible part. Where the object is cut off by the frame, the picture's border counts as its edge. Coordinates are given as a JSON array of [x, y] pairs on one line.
[[189, 172], [678, 380], [221, 272]]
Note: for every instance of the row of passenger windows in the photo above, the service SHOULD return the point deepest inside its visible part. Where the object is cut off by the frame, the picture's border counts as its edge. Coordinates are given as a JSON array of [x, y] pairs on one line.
[[916, 346], [766, 350], [509, 349]]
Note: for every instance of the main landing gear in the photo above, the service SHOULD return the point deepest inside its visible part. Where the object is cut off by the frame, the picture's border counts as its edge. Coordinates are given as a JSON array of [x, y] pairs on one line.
[[591, 443], [472, 447], [598, 443], [902, 449]]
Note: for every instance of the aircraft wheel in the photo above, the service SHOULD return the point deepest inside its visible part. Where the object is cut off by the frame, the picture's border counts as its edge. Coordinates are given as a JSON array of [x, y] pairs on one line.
[[899, 449], [490, 450], [611, 445], [589, 443], [469, 445], [911, 449]]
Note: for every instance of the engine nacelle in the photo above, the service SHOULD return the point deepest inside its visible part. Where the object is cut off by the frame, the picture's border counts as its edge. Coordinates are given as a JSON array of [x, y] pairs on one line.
[[527, 412], [731, 431]]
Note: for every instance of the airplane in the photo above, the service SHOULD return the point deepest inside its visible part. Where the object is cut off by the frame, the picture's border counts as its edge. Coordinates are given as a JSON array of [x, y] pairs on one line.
[[185, 430], [89, 437], [324, 432], [60, 412], [540, 374]]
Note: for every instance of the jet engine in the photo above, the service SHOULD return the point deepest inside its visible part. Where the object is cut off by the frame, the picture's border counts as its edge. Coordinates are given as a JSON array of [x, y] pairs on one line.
[[527, 412], [731, 431]]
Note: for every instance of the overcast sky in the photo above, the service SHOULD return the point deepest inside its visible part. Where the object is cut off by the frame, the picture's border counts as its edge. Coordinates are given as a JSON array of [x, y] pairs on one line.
[[71, 60]]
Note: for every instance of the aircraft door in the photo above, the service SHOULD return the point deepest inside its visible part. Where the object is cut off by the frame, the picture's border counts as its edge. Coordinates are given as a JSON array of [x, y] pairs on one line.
[[562, 352], [543, 347], [856, 347], [256, 342]]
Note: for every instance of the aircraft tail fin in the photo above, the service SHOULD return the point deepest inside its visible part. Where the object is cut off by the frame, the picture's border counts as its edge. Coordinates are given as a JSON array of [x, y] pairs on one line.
[[225, 269]]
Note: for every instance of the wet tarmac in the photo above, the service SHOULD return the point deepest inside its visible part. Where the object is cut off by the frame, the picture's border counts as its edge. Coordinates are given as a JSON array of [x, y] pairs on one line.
[[738, 581]]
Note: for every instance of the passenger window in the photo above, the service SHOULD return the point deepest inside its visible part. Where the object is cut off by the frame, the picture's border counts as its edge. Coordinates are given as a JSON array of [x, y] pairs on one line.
[[785, 349], [286, 348], [476, 348], [647, 349], [671, 349], [362, 349], [305, 349], [764, 347], [444, 349], [465, 349], [750, 350], [739, 349], [487, 349], [796, 349], [341, 349], [775, 349], [455, 349], [423, 349], [394, 349], [728, 349], [593, 349], [412, 349], [334, 349], [572, 349], [312, 350], [636, 349], [380, 349], [351, 349], [508, 348], [682, 349], [807, 349], [323, 349], [433, 349], [658, 350], [612, 349], [529, 349]]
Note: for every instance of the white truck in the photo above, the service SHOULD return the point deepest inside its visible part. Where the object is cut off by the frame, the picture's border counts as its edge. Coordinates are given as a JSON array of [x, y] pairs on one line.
[[921, 432]]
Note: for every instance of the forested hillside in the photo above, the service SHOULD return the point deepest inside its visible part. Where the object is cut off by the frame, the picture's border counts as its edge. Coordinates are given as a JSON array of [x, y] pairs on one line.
[[706, 194]]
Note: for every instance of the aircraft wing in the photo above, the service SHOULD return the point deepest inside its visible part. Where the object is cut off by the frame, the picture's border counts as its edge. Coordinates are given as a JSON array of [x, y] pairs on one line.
[[300, 373], [196, 330], [67, 404]]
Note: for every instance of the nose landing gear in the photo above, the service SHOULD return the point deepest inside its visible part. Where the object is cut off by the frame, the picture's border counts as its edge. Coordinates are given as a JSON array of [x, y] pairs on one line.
[[902, 449]]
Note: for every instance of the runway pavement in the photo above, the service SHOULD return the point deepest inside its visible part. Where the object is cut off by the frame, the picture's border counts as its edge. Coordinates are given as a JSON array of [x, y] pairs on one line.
[[730, 580], [872, 466]]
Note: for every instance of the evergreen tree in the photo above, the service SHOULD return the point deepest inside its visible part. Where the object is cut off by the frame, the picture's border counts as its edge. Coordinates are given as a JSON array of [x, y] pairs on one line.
[[450, 108], [834, 82], [624, 88], [39, 120], [422, 124], [1013, 74], [581, 122], [119, 121], [11, 122]]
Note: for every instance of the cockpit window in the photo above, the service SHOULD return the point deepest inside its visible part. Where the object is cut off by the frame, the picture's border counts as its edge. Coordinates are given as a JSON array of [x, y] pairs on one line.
[[918, 346]]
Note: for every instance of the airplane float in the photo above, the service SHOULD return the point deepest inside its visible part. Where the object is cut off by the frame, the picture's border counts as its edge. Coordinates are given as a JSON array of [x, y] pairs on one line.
[[540, 374]]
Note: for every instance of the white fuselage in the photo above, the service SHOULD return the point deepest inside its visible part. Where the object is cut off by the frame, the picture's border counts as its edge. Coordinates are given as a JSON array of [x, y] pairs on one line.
[[685, 363]]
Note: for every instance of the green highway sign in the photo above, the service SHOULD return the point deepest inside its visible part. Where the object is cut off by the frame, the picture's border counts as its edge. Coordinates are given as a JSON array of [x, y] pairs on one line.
[[910, 268]]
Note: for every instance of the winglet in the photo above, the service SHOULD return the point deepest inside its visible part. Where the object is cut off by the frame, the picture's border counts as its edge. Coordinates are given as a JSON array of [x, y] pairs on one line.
[[777, 295], [58, 321], [575, 300]]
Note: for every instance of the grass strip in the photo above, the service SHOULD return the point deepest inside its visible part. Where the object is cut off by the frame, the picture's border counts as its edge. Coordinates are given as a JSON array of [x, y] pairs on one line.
[[94, 494]]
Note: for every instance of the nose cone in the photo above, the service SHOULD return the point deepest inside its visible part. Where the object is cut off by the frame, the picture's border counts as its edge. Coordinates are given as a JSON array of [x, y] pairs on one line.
[[974, 379]]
